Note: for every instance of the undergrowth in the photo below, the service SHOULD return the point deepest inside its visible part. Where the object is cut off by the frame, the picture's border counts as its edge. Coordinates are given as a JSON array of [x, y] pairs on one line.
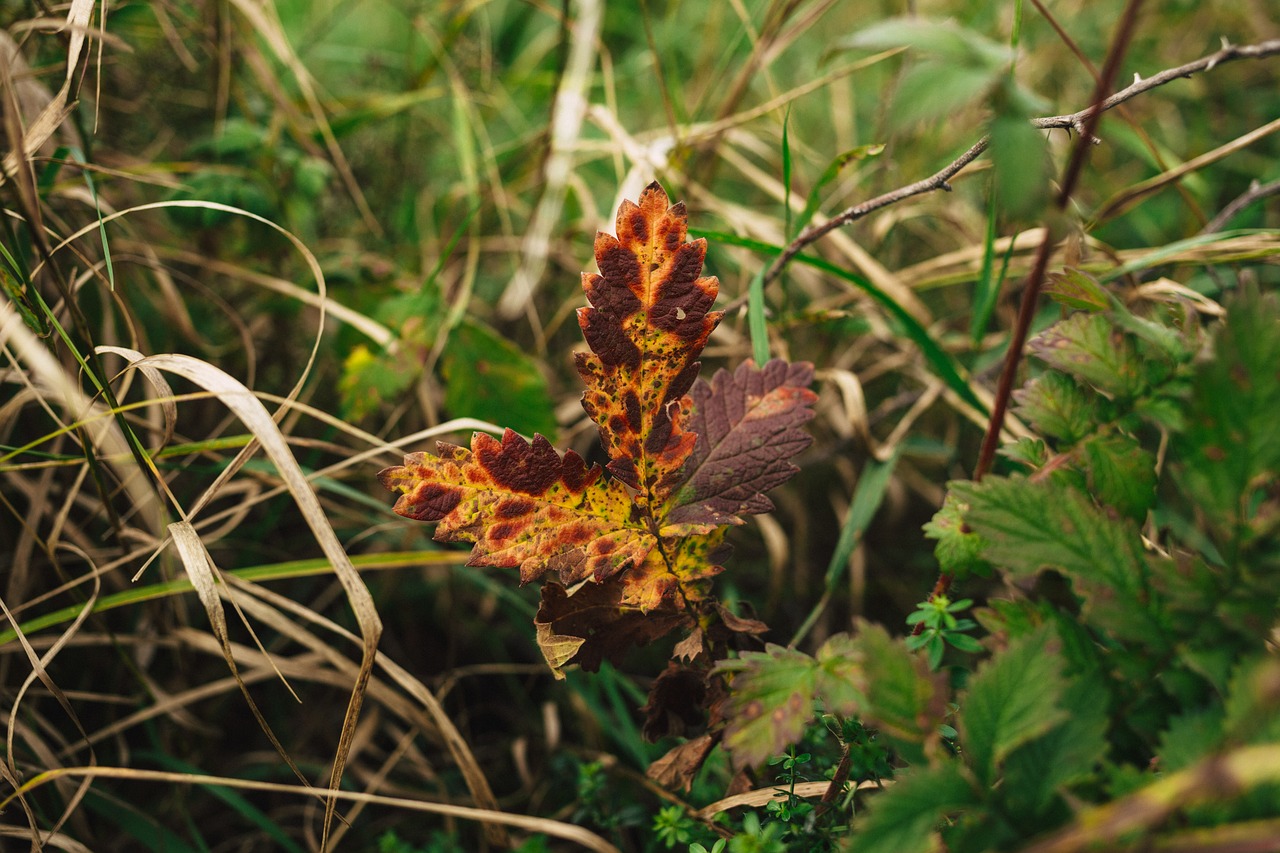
[[998, 597]]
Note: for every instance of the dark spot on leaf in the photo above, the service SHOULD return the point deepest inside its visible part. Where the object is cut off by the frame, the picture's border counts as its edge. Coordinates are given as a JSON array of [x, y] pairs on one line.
[[513, 508]]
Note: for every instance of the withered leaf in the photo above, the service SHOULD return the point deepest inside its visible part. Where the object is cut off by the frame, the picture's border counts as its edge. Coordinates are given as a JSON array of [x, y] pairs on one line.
[[596, 615], [749, 425], [649, 318], [523, 506], [677, 769]]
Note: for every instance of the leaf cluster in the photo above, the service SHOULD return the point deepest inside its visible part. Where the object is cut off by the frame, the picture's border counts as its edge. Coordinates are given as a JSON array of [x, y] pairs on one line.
[[1141, 539], [625, 554]]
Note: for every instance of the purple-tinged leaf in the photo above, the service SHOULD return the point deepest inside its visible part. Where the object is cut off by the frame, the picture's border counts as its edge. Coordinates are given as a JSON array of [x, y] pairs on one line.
[[749, 424]]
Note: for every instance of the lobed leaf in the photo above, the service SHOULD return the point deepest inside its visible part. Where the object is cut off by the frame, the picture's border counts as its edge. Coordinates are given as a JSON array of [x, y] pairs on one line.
[[904, 817], [770, 704], [1057, 407], [749, 425], [1089, 348], [1012, 699], [1032, 525], [523, 506], [648, 321], [1230, 453]]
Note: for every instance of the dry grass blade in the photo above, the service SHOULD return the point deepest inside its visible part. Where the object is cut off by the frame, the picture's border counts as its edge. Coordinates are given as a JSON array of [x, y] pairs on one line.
[[557, 829], [255, 417]]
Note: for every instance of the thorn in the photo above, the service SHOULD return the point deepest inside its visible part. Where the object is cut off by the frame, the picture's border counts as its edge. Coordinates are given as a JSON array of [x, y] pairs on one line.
[[1137, 78], [945, 186]]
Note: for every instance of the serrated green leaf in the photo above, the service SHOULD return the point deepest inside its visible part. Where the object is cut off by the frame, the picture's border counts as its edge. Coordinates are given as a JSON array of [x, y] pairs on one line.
[[904, 699], [1012, 699], [1231, 446], [1057, 407], [1190, 736], [1076, 289], [770, 704], [1089, 348], [902, 819], [488, 377], [959, 550], [1030, 526], [1122, 474], [1031, 452], [1066, 754]]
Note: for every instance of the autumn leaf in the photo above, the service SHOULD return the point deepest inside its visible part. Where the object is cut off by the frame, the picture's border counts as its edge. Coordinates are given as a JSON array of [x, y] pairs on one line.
[[648, 321], [749, 425], [525, 506]]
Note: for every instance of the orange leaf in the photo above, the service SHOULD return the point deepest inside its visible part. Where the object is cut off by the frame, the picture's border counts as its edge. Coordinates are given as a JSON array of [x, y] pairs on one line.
[[524, 506], [649, 319]]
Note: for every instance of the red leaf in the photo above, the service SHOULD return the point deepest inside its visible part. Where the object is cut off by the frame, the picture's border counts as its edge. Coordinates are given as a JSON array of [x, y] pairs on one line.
[[524, 506], [749, 425], [649, 319]]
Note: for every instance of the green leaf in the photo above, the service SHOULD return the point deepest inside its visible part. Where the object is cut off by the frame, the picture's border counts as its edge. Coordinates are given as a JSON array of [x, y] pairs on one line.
[[1057, 407], [1089, 348], [945, 40], [959, 549], [902, 819], [370, 380], [904, 700], [1012, 699], [1031, 526], [1020, 159], [934, 89], [1231, 447], [1076, 289], [1066, 754], [488, 377], [770, 704], [1122, 474]]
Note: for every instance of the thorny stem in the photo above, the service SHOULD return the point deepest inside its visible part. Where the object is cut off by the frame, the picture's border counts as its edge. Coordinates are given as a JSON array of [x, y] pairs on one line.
[[1074, 121], [1086, 122]]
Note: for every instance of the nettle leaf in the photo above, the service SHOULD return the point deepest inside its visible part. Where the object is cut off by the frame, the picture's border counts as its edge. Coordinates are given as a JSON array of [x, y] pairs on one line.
[[903, 818], [1066, 754], [649, 319], [1231, 447], [1034, 525], [749, 424], [1122, 474], [1075, 288], [1057, 407], [1012, 699], [1090, 348], [523, 506]]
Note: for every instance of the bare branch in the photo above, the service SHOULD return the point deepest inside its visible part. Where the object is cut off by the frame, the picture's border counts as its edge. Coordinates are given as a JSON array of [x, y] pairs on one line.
[[1074, 121]]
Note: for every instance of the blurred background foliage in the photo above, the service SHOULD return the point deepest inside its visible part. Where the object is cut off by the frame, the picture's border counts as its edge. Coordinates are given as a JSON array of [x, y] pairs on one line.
[[448, 165]]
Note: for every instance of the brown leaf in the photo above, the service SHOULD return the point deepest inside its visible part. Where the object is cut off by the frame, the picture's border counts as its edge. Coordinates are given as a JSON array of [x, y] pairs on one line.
[[677, 769], [677, 702], [596, 615]]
